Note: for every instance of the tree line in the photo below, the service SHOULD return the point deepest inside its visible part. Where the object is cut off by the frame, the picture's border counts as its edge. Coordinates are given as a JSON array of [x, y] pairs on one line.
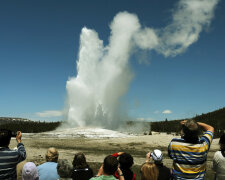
[[215, 119], [29, 126]]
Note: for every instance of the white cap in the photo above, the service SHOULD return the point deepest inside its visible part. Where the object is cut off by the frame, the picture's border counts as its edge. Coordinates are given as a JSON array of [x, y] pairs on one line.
[[157, 155]]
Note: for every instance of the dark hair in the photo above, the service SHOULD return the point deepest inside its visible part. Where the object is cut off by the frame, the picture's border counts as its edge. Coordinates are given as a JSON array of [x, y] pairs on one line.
[[222, 139], [5, 137], [126, 161], [110, 165], [79, 161], [191, 131], [222, 142]]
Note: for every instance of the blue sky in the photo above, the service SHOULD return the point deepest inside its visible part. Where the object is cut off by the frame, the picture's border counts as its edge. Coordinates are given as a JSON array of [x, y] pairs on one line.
[[39, 43]]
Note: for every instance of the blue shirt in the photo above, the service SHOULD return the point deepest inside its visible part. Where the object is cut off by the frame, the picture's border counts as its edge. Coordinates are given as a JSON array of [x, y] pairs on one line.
[[48, 171], [189, 160]]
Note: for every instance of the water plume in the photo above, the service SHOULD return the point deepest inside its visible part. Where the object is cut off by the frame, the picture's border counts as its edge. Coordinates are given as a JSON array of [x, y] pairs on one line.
[[104, 73]]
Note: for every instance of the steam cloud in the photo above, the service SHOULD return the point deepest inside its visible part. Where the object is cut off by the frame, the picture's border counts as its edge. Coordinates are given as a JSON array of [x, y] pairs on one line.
[[103, 72]]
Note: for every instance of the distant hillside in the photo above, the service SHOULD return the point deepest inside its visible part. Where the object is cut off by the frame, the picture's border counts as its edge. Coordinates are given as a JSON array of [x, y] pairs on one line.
[[26, 125], [5, 120], [215, 119]]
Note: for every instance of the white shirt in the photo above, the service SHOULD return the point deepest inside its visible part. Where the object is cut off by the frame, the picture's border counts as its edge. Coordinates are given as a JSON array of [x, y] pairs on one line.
[[219, 165]]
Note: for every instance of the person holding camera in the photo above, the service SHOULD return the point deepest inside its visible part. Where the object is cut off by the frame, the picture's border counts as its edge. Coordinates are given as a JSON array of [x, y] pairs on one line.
[[157, 157], [10, 158], [189, 153]]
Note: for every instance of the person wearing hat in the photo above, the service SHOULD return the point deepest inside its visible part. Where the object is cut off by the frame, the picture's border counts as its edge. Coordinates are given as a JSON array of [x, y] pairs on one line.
[[157, 157], [219, 160], [48, 170], [30, 171], [10, 158]]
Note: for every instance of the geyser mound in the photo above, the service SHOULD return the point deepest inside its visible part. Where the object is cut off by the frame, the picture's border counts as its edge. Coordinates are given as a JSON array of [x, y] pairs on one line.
[[84, 132]]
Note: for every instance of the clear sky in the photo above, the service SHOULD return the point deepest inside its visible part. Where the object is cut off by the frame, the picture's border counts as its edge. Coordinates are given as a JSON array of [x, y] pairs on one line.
[[39, 43]]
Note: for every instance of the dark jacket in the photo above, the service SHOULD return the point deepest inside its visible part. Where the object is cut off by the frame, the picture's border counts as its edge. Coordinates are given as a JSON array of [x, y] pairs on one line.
[[82, 174], [164, 172]]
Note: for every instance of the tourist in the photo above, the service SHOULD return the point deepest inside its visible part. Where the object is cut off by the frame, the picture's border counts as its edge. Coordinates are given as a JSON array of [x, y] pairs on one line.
[[125, 161], [157, 157], [189, 153], [81, 170], [47, 170], [19, 169], [10, 158], [30, 171], [108, 169], [219, 160], [149, 171], [64, 169]]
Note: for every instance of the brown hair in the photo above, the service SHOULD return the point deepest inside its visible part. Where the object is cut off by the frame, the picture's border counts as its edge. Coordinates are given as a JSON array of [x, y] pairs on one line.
[[191, 131], [79, 161], [149, 171]]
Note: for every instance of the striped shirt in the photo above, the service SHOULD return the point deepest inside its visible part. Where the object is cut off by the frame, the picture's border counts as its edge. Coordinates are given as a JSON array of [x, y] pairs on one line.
[[189, 160], [9, 159]]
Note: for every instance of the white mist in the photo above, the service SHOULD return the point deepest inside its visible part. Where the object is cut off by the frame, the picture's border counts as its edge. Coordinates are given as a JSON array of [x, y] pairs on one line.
[[103, 72]]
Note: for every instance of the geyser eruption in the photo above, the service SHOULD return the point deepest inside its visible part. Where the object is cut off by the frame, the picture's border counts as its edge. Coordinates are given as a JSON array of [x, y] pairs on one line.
[[103, 72], [103, 75]]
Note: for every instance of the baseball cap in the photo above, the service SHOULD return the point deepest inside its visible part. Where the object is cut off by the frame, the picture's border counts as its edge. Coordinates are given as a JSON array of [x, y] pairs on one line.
[[157, 155]]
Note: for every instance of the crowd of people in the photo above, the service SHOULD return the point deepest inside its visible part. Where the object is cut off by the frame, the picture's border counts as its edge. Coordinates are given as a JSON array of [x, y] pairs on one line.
[[189, 155]]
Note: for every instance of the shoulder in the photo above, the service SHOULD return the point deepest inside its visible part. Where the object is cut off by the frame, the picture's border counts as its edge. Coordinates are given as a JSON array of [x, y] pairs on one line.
[[47, 164], [166, 169], [162, 167], [217, 155], [8, 151], [20, 144], [41, 165], [96, 178], [208, 137], [177, 140]]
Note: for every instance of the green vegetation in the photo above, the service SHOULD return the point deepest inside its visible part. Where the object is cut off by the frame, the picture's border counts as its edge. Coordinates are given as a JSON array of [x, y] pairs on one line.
[[27, 126], [215, 119]]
